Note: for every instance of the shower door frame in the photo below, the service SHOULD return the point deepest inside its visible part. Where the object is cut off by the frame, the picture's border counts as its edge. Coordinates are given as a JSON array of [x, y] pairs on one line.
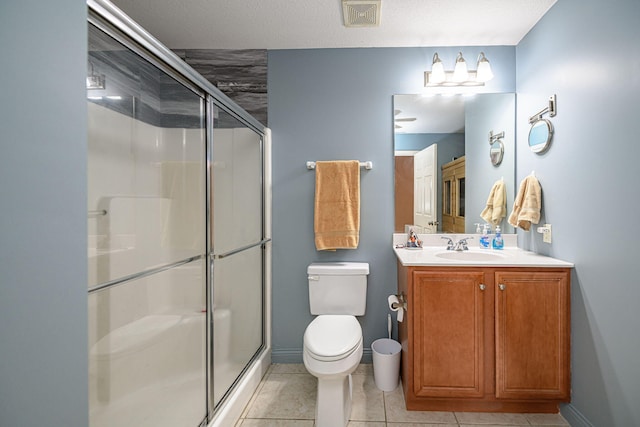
[[119, 25], [263, 243]]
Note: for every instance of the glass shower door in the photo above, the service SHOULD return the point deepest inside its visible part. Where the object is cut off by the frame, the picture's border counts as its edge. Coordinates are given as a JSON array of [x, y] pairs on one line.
[[146, 235], [238, 250]]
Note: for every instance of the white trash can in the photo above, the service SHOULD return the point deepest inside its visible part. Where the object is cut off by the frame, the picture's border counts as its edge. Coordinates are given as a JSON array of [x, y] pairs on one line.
[[386, 363]]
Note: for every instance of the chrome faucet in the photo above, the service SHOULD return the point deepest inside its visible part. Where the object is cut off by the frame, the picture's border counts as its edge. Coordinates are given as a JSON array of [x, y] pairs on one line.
[[460, 246], [450, 244]]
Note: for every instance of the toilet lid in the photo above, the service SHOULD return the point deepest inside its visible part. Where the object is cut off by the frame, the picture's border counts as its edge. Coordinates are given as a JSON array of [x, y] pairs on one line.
[[330, 337]]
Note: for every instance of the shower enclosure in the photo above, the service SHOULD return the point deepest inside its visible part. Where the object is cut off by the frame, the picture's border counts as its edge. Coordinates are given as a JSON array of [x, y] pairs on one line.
[[178, 245]]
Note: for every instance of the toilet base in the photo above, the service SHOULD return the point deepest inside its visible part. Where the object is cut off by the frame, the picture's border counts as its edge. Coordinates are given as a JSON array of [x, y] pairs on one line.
[[333, 407]]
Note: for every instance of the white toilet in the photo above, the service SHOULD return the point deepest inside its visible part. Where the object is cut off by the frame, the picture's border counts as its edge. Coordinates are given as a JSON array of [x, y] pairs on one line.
[[333, 340]]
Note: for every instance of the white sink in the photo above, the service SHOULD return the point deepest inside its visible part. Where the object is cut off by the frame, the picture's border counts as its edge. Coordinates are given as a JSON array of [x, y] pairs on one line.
[[470, 256]]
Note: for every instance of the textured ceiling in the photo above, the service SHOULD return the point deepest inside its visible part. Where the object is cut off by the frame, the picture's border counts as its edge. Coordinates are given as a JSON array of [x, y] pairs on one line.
[[292, 24]]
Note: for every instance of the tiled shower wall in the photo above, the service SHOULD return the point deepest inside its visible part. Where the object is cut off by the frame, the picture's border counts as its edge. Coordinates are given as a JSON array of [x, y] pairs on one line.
[[241, 74]]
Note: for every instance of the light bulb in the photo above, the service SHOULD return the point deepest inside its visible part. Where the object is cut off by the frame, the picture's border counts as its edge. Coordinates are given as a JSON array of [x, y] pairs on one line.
[[437, 70], [484, 73], [460, 73]]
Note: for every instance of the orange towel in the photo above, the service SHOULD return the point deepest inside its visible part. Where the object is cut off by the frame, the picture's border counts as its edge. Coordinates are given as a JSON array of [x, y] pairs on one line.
[[496, 208], [526, 207], [337, 205]]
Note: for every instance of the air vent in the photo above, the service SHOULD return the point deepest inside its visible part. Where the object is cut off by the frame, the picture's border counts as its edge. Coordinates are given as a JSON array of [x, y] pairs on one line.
[[361, 13]]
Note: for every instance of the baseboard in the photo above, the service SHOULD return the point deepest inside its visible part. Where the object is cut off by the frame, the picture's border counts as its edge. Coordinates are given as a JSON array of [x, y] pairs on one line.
[[286, 355], [574, 417], [294, 355]]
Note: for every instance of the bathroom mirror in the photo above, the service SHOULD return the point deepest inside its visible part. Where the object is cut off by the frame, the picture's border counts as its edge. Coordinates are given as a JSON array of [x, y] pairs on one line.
[[496, 152], [458, 125], [540, 135]]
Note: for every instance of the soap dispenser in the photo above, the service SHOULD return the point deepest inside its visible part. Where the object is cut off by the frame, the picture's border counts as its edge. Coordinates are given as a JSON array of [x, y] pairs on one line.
[[484, 238], [498, 242]]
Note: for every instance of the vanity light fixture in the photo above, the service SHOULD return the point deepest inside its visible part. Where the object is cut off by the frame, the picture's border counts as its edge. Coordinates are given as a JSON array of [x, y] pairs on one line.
[[460, 76]]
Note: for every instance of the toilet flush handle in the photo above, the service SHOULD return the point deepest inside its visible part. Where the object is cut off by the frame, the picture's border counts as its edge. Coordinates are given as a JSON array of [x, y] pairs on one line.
[[314, 278]]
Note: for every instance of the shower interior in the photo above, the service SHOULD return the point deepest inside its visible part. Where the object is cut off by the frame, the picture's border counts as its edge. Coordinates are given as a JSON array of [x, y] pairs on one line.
[[177, 241]]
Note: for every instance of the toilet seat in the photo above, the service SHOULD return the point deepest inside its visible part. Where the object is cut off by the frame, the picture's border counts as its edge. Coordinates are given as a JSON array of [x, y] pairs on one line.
[[332, 337]]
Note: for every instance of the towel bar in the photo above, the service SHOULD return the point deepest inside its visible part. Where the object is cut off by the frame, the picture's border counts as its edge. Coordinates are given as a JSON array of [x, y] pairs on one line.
[[366, 165]]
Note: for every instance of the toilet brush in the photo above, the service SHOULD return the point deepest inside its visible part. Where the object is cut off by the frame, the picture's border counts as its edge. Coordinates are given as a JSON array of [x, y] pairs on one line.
[[389, 324]]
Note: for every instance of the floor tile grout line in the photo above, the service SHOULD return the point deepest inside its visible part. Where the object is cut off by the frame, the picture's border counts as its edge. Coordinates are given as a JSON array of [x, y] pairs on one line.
[[384, 406]]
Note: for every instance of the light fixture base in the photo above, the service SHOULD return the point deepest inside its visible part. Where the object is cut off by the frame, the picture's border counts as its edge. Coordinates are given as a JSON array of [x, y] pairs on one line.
[[449, 82]]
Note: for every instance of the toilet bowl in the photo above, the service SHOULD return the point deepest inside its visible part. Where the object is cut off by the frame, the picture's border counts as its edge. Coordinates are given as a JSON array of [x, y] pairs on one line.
[[332, 347], [332, 351]]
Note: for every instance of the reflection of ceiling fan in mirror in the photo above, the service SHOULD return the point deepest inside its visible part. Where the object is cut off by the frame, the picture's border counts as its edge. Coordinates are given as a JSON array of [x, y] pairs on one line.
[[428, 114], [401, 119]]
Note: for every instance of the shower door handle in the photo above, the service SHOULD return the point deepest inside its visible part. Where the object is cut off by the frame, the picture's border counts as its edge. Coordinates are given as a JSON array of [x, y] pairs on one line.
[[244, 248]]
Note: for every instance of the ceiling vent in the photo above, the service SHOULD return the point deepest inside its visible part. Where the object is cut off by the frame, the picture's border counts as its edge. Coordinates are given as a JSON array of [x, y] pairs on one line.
[[361, 13]]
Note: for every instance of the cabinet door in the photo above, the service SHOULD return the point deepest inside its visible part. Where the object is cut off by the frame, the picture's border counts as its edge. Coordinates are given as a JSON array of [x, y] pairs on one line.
[[532, 335], [449, 315]]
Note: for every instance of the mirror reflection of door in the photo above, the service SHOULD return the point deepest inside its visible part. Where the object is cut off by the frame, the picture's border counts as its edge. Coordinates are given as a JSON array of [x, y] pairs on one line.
[[425, 214], [403, 190], [453, 196]]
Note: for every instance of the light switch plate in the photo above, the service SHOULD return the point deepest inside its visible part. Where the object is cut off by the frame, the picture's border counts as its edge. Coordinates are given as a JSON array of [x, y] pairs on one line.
[[546, 236]]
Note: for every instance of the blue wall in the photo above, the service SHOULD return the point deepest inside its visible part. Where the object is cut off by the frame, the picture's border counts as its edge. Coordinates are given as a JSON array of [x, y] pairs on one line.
[[329, 104], [587, 52], [43, 219]]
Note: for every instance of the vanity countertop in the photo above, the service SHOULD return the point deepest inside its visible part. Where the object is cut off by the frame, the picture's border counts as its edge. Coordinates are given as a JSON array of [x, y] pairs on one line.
[[510, 256]]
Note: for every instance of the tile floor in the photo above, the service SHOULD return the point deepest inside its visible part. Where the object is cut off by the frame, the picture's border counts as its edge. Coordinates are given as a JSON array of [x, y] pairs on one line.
[[286, 398]]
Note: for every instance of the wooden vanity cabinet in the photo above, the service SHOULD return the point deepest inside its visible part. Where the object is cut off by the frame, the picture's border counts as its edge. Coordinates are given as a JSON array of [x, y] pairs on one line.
[[449, 357], [485, 339], [532, 335]]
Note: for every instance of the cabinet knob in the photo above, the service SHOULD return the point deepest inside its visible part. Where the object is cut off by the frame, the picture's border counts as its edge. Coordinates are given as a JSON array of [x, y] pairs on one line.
[[502, 286], [482, 286]]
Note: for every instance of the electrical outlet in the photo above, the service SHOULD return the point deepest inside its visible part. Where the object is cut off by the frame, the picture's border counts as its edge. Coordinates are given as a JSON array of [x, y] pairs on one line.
[[546, 236]]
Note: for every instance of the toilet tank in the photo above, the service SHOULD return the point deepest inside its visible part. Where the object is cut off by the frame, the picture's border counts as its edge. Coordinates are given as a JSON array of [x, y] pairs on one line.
[[338, 287]]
